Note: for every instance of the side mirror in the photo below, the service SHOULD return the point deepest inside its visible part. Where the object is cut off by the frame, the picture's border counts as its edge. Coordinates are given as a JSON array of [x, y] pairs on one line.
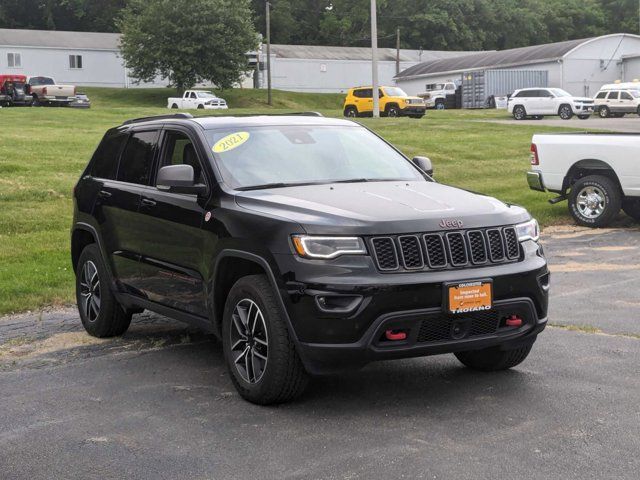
[[179, 179], [424, 164]]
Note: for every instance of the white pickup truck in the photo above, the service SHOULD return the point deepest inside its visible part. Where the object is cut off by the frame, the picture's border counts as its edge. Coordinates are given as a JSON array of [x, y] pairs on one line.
[[436, 94], [598, 173], [197, 99]]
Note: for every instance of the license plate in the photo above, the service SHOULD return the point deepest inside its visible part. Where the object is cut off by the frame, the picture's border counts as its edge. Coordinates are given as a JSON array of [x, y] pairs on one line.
[[469, 297]]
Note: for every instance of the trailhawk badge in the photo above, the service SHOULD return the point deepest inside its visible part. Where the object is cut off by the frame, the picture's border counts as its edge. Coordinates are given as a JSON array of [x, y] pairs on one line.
[[450, 223]]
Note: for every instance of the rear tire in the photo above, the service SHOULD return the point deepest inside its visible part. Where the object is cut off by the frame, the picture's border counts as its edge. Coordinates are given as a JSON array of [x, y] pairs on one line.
[[351, 112], [259, 351], [101, 314], [631, 206], [519, 112], [174, 105], [594, 201], [493, 359], [565, 112]]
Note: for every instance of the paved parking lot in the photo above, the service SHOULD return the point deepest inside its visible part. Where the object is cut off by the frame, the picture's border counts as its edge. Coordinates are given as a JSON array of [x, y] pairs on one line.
[[158, 404], [628, 123]]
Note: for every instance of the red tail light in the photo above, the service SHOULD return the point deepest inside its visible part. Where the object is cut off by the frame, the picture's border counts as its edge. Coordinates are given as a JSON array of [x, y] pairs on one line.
[[44, 91], [534, 155], [74, 91]]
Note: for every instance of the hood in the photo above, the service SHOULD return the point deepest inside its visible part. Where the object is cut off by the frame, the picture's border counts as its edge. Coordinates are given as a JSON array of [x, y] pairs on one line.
[[380, 207]]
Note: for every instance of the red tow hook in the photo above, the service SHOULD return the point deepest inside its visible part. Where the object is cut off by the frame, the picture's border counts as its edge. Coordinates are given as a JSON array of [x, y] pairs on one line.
[[395, 335], [513, 321]]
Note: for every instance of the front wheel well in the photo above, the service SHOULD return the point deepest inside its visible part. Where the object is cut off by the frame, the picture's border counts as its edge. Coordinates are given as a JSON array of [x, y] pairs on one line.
[[584, 168], [79, 240], [228, 272]]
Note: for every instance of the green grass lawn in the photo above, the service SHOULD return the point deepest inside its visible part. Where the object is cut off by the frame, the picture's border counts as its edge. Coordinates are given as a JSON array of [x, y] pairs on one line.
[[43, 151]]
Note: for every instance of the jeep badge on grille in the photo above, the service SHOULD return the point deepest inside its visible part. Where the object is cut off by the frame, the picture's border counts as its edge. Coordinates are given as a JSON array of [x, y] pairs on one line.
[[450, 223]]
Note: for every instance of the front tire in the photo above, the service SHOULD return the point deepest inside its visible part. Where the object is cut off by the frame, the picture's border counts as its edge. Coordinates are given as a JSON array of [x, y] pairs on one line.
[[519, 113], [101, 314], [392, 111], [604, 112], [594, 201], [565, 112], [259, 351], [493, 359], [440, 105], [584, 117], [200, 107]]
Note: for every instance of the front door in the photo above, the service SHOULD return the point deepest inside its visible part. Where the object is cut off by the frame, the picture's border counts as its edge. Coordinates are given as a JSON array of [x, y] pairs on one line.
[[172, 239]]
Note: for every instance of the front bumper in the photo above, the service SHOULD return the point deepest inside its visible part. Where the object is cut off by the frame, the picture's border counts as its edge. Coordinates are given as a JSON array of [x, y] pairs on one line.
[[581, 109], [413, 110], [534, 179], [365, 305]]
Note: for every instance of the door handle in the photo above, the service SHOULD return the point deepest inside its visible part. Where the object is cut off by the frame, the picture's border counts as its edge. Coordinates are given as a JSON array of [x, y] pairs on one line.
[[147, 202], [104, 194]]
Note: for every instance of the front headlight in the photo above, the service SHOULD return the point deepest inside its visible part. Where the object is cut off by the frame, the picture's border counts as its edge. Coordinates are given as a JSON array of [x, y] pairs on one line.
[[327, 247], [528, 230]]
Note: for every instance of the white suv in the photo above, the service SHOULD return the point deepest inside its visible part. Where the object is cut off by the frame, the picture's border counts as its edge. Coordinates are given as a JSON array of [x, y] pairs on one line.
[[617, 102], [538, 102]]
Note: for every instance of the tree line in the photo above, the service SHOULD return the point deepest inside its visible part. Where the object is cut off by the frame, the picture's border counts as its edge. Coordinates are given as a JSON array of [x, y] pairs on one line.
[[426, 24]]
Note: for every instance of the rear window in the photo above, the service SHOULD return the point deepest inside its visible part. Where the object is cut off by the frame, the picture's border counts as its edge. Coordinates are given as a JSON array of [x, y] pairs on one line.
[[137, 158], [527, 94], [105, 160]]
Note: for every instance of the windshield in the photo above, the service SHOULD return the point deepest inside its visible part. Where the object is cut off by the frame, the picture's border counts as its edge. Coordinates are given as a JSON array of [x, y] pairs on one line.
[[36, 81], [254, 157], [558, 92], [205, 95], [634, 93], [395, 92]]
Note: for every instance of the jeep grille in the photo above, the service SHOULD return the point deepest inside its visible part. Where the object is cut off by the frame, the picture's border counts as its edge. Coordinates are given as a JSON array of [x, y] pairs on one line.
[[445, 250]]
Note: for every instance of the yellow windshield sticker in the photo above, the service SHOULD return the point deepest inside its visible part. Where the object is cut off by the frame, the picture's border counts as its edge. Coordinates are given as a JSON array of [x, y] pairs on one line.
[[230, 142]]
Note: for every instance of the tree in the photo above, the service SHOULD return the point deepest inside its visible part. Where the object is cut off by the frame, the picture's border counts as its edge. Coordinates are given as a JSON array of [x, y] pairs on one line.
[[187, 41]]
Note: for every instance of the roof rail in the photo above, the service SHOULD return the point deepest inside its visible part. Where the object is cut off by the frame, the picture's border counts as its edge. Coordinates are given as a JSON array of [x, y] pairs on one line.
[[157, 117], [298, 114]]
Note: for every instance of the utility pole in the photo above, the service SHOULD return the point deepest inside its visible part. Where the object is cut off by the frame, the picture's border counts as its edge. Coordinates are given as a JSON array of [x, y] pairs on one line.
[[397, 50], [374, 59], [268, 18]]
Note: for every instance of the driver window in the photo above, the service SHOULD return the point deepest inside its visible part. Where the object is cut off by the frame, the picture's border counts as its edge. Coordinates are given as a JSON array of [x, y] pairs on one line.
[[179, 150]]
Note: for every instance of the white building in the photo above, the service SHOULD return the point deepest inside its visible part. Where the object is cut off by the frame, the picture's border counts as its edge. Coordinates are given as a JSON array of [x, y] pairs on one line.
[[578, 66], [93, 59]]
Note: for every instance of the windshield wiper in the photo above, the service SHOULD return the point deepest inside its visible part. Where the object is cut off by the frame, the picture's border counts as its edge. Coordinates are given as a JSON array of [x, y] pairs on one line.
[[277, 185], [364, 180]]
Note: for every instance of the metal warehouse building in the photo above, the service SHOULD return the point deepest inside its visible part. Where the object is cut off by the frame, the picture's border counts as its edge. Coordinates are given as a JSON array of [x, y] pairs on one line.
[[579, 66], [335, 69], [93, 59]]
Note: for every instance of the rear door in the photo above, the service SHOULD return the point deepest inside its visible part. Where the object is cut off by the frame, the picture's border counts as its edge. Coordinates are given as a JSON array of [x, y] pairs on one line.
[[528, 99], [118, 202], [612, 100], [172, 240]]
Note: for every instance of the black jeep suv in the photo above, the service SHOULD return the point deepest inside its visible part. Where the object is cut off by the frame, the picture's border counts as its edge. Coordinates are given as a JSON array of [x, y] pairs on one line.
[[308, 245]]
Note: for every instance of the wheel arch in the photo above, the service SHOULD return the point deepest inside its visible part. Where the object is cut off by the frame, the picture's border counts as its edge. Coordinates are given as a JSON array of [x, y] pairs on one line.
[[230, 266], [587, 167]]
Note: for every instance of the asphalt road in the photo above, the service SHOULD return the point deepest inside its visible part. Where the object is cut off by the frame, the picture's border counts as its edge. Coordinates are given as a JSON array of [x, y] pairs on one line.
[[157, 404], [628, 123]]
